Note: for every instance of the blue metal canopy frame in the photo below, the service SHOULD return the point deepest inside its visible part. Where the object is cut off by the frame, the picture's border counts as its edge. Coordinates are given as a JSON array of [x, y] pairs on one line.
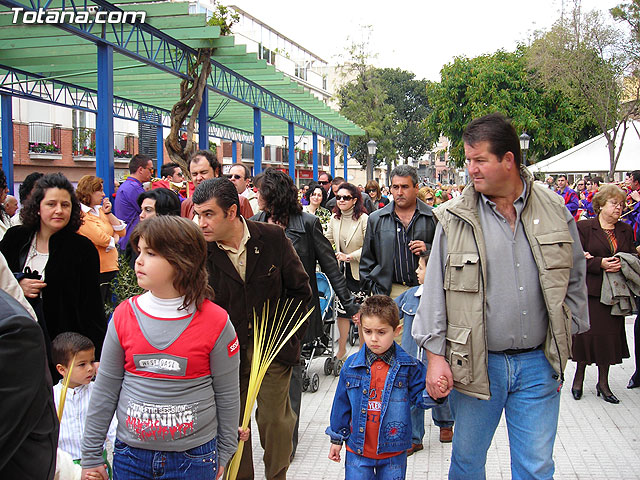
[[35, 87], [149, 45], [146, 44]]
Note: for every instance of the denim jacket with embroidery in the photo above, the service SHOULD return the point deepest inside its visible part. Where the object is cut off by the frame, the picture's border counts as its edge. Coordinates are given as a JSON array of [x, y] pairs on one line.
[[404, 386]]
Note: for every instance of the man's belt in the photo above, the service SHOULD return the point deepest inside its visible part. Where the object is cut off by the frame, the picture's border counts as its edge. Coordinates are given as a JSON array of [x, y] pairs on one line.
[[516, 351]]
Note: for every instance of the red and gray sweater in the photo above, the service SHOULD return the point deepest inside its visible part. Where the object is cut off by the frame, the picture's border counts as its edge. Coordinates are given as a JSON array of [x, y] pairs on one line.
[[173, 382]]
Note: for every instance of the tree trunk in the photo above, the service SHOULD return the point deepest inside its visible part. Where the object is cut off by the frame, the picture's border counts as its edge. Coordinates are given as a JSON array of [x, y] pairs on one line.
[[191, 91]]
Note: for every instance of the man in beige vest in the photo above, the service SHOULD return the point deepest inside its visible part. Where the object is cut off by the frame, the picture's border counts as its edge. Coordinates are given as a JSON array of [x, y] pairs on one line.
[[505, 290]]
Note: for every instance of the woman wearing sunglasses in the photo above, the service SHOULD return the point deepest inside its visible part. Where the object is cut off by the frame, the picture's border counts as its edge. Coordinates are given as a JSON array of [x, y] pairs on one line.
[[346, 232], [373, 190], [427, 195]]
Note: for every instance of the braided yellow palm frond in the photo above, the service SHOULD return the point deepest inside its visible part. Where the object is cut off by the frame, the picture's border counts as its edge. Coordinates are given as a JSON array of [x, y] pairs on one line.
[[65, 387], [269, 336]]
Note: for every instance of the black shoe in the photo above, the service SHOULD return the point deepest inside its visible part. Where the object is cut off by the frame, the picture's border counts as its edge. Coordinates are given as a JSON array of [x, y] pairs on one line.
[[607, 398], [634, 382], [577, 394]]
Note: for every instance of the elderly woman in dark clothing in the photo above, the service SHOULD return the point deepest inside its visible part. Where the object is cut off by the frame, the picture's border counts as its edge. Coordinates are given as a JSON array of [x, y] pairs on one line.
[[57, 268], [605, 343], [278, 201]]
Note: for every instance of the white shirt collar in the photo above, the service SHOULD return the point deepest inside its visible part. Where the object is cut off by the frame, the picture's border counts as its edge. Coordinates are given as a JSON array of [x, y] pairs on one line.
[[95, 210]]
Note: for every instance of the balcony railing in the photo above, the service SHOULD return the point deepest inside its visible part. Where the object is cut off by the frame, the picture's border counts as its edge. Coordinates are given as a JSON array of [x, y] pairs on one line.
[[44, 137]]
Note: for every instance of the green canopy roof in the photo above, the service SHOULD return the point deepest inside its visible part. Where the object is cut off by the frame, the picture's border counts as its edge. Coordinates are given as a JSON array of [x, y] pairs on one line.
[[58, 54]]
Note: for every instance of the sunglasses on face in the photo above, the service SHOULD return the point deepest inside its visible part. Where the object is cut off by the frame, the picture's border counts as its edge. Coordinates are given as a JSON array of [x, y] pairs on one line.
[[235, 176], [321, 182], [344, 197], [372, 191]]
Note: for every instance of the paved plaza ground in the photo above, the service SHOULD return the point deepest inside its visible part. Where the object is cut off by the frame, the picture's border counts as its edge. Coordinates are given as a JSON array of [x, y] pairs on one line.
[[596, 440]]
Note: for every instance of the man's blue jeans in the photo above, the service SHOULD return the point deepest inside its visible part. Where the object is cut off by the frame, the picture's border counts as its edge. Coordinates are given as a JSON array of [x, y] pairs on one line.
[[524, 387], [199, 463], [357, 467], [441, 414]]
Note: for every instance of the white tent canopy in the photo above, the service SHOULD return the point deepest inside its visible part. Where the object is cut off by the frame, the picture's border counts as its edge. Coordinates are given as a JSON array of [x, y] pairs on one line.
[[592, 156]]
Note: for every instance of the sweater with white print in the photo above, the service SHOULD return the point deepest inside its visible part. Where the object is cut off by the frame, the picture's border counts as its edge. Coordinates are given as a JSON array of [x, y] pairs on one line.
[[172, 380]]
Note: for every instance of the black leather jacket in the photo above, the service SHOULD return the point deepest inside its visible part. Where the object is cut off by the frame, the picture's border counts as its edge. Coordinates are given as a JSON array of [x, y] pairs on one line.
[[305, 232], [376, 261]]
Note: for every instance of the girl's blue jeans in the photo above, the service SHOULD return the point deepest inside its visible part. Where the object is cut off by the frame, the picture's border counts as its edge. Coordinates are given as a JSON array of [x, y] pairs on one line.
[[199, 463]]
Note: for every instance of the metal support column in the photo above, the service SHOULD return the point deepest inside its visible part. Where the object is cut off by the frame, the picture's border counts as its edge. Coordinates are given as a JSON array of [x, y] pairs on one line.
[[159, 148], [7, 139], [203, 124], [257, 141], [332, 151], [315, 156], [234, 151], [104, 121], [292, 152], [344, 154]]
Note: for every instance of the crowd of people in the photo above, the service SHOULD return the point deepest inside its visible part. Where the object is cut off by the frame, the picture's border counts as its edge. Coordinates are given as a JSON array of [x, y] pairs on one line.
[[452, 289]]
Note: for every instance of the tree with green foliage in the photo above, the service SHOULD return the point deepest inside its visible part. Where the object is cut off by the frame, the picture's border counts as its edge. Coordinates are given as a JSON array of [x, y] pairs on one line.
[[629, 14], [362, 99], [389, 104], [223, 17], [502, 82], [585, 58], [363, 102], [409, 99]]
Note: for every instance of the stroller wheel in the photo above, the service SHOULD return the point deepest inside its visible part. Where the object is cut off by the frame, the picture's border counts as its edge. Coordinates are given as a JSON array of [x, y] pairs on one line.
[[353, 334], [305, 382], [328, 366], [315, 382], [337, 367]]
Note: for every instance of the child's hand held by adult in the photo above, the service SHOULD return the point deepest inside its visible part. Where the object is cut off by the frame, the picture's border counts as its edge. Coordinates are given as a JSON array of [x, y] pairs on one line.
[[443, 383], [437, 368]]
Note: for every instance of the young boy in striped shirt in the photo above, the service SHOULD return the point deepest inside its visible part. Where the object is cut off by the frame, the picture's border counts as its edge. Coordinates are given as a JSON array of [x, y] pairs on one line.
[[66, 348]]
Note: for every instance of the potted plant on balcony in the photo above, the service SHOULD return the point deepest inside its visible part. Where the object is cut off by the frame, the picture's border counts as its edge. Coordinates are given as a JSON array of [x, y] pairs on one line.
[[121, 153], [89, 151], [36, 147]]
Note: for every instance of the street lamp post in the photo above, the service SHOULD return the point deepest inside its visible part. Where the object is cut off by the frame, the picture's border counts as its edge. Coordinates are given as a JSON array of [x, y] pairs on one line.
[[524, 146], [371, 147]]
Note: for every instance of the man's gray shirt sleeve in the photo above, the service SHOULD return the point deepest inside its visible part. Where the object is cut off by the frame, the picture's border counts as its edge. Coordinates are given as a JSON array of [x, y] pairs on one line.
[[430, 323]]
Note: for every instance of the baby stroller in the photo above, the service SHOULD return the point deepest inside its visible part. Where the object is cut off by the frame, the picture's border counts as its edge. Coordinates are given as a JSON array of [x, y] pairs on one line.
[[323, 344]]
